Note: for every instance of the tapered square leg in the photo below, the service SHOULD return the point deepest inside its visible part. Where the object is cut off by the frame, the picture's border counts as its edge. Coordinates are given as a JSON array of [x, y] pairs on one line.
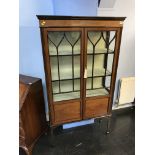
[[52, 137], [108, 124]]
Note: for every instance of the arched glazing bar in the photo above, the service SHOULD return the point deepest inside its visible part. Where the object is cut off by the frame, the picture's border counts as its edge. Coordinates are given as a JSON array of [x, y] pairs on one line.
[[105, 36], [72, 42]]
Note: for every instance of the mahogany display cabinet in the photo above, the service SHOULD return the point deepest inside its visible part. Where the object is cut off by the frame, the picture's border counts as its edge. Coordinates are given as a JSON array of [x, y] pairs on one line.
[[80, 61]]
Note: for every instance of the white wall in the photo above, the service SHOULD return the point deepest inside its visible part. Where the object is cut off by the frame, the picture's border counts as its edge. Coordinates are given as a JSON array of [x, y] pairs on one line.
[[30, 49], [126, 66], [75, 7]]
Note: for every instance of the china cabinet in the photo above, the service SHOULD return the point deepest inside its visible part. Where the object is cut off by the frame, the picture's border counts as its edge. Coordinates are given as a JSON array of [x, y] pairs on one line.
[[80, 61]]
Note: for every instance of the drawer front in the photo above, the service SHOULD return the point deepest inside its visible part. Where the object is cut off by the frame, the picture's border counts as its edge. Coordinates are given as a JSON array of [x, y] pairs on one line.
[[67, 112], [96, 107]]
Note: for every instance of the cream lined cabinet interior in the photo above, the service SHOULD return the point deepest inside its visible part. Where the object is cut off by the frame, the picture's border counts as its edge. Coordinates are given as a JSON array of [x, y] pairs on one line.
[[80, 61]]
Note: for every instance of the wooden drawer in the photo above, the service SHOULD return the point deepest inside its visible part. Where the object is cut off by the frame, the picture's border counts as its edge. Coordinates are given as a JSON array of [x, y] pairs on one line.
[[96, 107], [67, 112]]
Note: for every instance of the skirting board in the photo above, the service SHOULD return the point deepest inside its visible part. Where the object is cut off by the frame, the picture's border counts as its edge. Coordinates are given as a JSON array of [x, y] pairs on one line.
[[115, 107]]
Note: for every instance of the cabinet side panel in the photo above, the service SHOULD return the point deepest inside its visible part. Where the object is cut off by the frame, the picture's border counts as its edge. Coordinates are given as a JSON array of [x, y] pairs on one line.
[[47, 73], [114, 68]]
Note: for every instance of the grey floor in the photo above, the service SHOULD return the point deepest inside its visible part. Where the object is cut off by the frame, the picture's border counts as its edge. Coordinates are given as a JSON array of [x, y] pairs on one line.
[[91, 139]]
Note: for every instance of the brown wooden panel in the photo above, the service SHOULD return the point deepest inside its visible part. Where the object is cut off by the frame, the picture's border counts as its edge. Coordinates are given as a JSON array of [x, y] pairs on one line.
[[23, 91], [67, 112], [80, 23], [114, 69], [96, 107], [32, 120], [33, 117]]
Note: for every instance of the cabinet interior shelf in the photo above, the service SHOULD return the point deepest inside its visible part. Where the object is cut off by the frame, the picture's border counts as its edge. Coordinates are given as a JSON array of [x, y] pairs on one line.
[[107, 88], [54, 55], [97, 73], [79, 78], [100, 53], [77, 53], [76, 94], [66, 92], [66, 79]]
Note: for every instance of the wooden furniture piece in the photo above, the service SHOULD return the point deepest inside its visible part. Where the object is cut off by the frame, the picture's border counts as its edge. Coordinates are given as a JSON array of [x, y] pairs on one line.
[[32, 118], [80, 61]]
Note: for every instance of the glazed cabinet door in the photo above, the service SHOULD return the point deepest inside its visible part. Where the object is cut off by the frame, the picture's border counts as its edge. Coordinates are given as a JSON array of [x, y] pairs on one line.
[[99, 57], [64, 66]]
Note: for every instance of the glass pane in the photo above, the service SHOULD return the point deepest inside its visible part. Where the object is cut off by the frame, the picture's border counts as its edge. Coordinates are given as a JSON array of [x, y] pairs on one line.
[[55, 87], [67, 85], [65, 67], [107, 81], [110, 62], [66, 96], [64, 52], [65, 41], [54, 68], [100, 54], [95, 66], [97, 82], [66, 88], [97, 88], [112, 40]]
